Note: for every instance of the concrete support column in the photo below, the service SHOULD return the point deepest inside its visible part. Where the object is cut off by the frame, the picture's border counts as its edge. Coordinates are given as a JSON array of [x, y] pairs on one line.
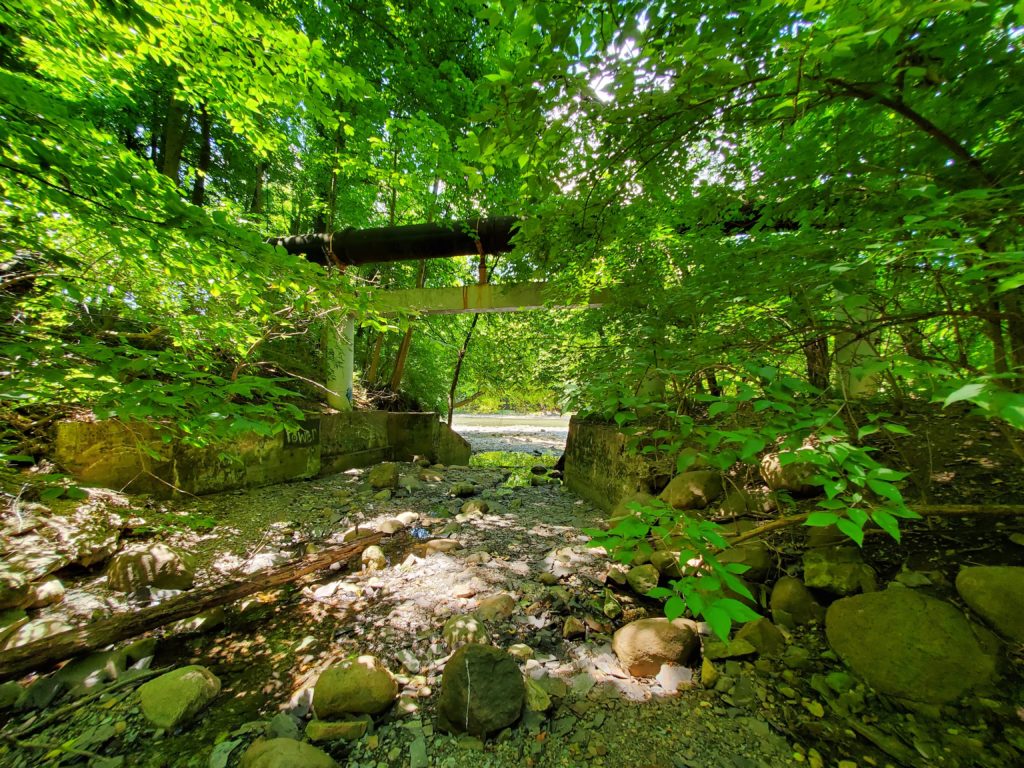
[[339, 361]]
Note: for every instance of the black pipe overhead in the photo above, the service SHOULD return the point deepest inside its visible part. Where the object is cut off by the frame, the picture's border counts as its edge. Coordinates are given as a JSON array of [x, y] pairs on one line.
[[407, 243]]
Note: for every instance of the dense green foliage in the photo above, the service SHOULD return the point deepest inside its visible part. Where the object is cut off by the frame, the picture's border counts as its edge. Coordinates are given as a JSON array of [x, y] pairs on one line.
[[794, 207]]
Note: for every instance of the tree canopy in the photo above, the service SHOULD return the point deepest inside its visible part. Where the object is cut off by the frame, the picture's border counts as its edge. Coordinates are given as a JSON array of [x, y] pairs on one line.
[[773, 189]]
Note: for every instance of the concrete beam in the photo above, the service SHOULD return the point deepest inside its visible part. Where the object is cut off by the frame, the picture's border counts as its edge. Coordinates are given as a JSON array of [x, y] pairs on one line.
[[480, 298]]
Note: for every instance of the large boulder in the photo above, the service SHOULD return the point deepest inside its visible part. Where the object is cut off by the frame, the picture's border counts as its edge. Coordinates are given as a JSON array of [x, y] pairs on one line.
[[384, 476], [354, 687], [482, 690], [692, 490], [793, 477], [285, 753], [642, 646], [996, 594], [840, 570], [178, 696], [154, 565], [909, 645], [792, 604]]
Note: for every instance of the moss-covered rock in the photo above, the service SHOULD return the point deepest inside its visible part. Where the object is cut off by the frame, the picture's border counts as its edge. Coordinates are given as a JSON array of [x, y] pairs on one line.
[[482, 690], [692, 490], [996, 594], [354, 687], [176, 697], [909, 645], [285, 753]]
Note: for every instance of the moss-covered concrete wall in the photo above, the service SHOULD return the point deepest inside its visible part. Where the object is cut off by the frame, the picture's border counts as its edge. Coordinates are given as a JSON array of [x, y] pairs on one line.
[[139, 459], [600, 468]]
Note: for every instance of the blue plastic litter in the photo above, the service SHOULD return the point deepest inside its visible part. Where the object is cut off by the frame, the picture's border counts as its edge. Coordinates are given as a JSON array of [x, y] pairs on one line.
[[420, 533]]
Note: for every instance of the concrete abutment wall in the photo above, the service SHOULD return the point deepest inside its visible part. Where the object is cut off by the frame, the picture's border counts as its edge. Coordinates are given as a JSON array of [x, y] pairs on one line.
[[137, 458]]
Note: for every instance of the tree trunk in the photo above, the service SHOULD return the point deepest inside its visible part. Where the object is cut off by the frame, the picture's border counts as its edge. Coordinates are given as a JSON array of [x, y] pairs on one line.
[[458, 369], [25, 658], [174, 137], [403, 348], [1013, 302], [819, 363], [373, 369], [205, 152], [256, 203]]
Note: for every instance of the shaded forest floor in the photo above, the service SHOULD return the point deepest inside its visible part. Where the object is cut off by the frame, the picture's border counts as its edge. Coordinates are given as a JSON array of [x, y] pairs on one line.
[[527, 542]]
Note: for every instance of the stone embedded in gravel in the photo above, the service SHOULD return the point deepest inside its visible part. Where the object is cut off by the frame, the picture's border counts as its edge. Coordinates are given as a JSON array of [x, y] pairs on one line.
[[715, 649], [692, 490], [354, 687], [642, 578], [14, 586], [764, 636], [537, 699], [407, 518], [384, 476], [49, 591], [37, 629], [285, 753], [459, 630], [499, 606], [793, 477], [792, 603], [996, 594], [391, 525], [347, 730], [840, 570], [573, 628], [284, 726], [462, 490], [482, 691], [155, 565], [439, 547], [474, 507], [178, 696], [373, 558], [642, 646], [909, 645], [520, 651]]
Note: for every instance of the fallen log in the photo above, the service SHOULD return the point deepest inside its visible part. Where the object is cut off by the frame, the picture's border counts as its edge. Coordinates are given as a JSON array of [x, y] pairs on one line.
[[41, 653], [924, 510]]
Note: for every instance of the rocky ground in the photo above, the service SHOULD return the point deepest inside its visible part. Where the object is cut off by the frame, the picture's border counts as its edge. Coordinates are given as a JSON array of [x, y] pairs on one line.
[[355, 666]]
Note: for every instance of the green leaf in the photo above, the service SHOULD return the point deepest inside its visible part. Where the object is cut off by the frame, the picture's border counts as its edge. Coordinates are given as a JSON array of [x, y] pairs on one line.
[[886, 522], [675, 607], [966, 392], [852, 530], [719, 621], [821, 519]]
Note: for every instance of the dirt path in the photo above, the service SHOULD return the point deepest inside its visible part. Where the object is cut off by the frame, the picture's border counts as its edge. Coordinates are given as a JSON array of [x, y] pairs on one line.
[[528, 544]]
